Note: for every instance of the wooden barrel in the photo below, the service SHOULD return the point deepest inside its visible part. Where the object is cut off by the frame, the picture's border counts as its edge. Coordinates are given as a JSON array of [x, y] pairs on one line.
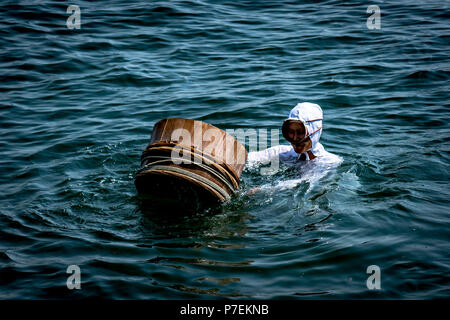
[[190, 160]]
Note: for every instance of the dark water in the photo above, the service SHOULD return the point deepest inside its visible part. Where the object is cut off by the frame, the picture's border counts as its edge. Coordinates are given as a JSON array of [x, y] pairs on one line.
[[78, 107]]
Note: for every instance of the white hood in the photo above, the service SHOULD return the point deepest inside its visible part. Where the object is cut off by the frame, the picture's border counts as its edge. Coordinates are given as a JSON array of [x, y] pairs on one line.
[[311, 115]]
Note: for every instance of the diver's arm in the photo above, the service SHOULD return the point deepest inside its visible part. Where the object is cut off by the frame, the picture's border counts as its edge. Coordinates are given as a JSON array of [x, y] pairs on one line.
[[266, 156], [263, 157]]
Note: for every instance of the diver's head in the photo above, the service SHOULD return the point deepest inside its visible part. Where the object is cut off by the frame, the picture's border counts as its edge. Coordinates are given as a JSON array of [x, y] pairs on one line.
[[303, 127], [296, 134]]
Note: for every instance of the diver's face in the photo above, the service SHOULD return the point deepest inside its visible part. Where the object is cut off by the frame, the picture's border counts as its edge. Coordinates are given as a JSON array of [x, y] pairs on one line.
[[297, 134]]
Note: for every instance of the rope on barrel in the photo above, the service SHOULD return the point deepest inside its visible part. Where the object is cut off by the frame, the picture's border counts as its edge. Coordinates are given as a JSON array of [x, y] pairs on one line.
[[193, 176], [218, 175], [211, 166], [169, 145]]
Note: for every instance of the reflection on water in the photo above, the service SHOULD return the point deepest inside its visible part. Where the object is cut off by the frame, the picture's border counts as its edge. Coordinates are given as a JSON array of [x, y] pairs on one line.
[[162, 217]]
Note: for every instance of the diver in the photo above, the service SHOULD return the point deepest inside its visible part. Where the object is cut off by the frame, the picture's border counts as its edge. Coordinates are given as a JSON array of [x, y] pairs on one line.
[[302, 129]]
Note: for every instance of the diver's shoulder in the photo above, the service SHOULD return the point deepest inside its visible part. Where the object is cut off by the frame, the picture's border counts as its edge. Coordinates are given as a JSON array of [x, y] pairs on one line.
[[284, 148], [323, 155]]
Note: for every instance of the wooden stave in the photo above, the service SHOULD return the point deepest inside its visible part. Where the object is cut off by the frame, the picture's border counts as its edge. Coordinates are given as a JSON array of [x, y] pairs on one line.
[[163, 129]]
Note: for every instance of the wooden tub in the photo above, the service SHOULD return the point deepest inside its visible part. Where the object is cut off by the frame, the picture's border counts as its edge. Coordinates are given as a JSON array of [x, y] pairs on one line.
[[190, 160]]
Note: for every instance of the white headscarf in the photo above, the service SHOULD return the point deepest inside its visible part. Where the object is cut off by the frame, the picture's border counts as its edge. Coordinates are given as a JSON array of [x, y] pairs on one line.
[[311, 115]]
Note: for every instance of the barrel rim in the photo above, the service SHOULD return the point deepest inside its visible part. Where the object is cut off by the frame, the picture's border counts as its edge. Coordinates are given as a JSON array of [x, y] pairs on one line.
[[235, 173]]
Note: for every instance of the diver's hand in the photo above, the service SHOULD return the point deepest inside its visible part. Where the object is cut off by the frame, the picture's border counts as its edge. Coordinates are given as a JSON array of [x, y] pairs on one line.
[[253, 190]]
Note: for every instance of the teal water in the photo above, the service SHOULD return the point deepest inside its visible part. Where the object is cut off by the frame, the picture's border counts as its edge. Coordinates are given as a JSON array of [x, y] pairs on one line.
[[78, 107]]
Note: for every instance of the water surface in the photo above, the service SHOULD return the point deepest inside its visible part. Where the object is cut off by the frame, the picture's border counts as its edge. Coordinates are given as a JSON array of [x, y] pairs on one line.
[[78, 107]]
